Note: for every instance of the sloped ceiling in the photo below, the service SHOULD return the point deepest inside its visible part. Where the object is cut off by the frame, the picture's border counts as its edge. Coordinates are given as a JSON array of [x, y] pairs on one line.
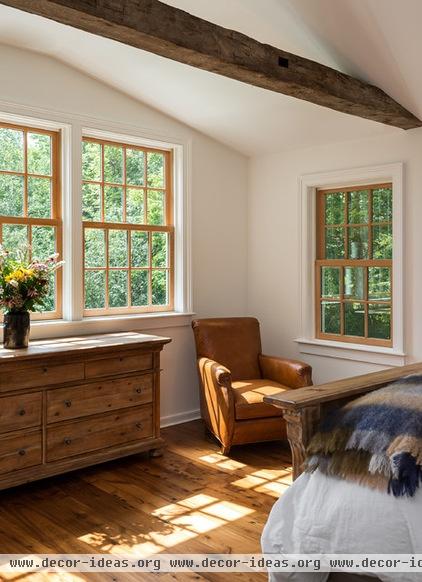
[[375, 40]]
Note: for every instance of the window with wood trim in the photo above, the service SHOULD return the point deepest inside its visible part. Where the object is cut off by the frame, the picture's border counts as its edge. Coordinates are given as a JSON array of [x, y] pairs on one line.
[[128, 228], [354, 264], [30, 200]]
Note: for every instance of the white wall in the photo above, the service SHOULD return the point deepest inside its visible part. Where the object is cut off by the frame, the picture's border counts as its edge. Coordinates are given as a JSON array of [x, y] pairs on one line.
[[273, 283], [218, 193]]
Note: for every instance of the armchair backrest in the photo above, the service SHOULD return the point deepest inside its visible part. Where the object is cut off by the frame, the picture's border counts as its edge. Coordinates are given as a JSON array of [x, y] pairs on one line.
[[234, 342]]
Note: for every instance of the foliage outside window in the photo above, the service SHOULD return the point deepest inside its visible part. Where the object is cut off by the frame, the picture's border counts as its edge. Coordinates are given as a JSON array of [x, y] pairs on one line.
[[30, 214], [128, 228], [354, 264]]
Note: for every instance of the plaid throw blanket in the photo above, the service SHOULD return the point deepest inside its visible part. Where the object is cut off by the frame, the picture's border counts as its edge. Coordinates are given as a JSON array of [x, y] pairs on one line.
[[375, 440]]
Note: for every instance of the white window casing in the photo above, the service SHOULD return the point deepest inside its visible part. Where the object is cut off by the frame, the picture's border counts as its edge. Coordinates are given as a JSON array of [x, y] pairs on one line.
[[308, 343]]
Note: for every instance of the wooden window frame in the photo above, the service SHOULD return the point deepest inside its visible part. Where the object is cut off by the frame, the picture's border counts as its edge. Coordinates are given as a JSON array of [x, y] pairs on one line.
[[321, 261], [56, 210], [168, 228]]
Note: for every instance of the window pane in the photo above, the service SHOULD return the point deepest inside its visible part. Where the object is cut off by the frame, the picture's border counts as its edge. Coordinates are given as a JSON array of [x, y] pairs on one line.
[[159, 249], [113, 164], [156, 203], [358, 242], [117, 248], [379, 321], [91, 202], [135, 206], [330, 282], [379, 283], [354, 283], [11, 150], [39, 154], [382, 242], [94, 247], [139, 289], [354, 319], [94, 289], [330, 317], [135, 167], [334, 243], [358, 207], [155, 170], [113, 203], [117, 288], [91, 161], [334, 208], [15, 236], [139, 248], [382, 205], [11, 195], [39, 197], [159, 288], [43, 242], [49, 302]]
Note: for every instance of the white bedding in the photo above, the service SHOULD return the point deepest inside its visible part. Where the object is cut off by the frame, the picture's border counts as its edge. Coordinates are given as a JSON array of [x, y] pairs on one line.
[[323, 515]]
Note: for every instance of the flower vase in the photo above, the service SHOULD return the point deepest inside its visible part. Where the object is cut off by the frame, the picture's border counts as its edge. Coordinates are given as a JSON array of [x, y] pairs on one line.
[[16, 330]]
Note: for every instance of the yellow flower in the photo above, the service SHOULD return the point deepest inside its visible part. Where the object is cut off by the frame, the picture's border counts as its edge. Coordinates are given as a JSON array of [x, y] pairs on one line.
[[20, 275]]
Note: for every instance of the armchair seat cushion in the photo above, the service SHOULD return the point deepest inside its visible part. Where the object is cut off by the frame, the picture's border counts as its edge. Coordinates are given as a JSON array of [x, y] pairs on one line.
[[249, 396]]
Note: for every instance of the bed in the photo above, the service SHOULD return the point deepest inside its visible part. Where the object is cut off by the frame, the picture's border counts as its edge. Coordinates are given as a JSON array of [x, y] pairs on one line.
[[321, 514]]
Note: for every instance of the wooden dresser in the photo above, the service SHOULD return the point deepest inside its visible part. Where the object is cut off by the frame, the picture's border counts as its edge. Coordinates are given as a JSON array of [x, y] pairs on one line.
[[73, 402]]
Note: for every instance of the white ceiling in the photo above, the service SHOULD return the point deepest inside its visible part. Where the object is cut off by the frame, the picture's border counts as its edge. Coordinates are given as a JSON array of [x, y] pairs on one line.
[[376, 40]]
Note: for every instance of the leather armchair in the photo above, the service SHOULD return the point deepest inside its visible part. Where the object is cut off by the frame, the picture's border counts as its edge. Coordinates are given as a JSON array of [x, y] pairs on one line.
[[234, 378]]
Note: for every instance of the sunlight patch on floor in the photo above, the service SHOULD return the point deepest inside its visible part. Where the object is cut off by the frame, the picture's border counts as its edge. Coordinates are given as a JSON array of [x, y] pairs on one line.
[[231, 465], [198, 522], [197, 501], [181, 521], [273, 488], [227, 510], [269, 481], [222, 462]]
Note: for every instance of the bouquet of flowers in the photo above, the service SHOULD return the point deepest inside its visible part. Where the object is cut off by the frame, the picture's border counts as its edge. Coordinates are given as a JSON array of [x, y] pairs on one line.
[[24, 284]]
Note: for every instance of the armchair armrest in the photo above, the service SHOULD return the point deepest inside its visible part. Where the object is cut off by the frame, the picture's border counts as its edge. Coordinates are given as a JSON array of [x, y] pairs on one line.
[[291, 373], [222, 375], [217, 399]]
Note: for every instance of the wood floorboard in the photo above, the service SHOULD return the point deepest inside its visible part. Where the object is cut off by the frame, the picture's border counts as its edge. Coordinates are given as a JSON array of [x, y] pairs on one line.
[[190, 500]]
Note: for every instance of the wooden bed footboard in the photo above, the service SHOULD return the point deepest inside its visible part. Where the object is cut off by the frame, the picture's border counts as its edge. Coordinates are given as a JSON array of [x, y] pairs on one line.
[[304, 407]]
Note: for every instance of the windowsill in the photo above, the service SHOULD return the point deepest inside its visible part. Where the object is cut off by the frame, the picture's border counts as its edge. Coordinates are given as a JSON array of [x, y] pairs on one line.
[[108, 324], [355, 352]]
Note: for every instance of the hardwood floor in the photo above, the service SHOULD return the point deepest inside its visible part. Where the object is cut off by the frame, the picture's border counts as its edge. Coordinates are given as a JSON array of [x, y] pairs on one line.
[[190, 500]]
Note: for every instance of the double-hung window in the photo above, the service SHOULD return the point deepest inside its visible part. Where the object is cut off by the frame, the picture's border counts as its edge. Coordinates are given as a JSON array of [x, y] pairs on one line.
[[354, 264], [128, 228], [30, 196]]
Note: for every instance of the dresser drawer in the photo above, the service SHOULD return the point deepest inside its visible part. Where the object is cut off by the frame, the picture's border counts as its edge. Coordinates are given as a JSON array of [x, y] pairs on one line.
[[65, 403], [18, 451], [90, 434], [45, 375], [20, 411], [118, 365]]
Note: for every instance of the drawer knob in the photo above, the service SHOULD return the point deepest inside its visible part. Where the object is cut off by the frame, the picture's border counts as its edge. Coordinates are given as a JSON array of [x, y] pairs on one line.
[[68, 403], [67, 441], [139, 390], [22, 412], [139, 425], [22, 452]]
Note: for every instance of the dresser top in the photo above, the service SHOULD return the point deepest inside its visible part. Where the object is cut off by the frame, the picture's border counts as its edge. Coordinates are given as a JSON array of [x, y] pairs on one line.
[[81, 344]]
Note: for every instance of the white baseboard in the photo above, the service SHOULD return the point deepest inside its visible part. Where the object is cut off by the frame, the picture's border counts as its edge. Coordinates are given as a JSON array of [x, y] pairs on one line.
[[180, 417]]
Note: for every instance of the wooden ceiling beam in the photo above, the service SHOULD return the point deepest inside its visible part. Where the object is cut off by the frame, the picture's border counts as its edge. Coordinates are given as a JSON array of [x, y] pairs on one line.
[[161, 29]]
